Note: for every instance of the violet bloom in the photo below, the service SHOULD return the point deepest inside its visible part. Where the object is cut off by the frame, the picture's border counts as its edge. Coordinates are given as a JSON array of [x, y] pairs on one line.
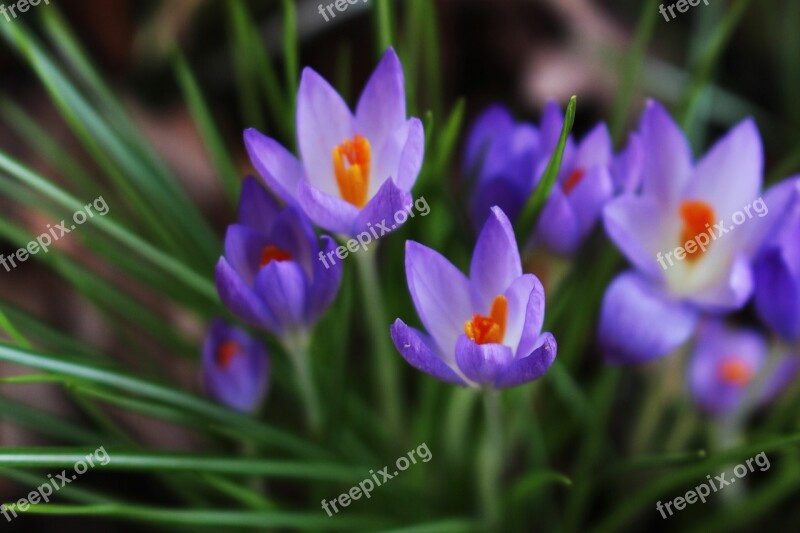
[[270, 275], [355, 169], [502, 156], [235, 367], [777, 267], [583, 187], [727, 363], [485, 330], [651, 310]]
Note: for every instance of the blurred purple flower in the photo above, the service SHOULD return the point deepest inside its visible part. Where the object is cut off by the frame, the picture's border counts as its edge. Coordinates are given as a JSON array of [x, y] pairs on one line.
[[502, 156], [583, 187], [726, 364], [355, 170], [485, 330], [651, 310], [235, 367], [270, 275], [777, 266]]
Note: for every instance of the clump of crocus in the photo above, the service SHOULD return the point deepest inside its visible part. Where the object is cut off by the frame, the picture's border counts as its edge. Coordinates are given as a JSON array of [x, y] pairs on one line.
[[355, 170], [501, 157], [777, 266], [727, 364], [485, 330], [270, 276], [235, 367], [651, 310]]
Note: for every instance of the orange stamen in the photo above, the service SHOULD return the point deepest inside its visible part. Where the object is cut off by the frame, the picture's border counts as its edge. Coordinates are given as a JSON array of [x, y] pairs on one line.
[[225, 353], [734, 371], [273, 253], [492, 328], [697, 217], [351, 164], [573, 180]]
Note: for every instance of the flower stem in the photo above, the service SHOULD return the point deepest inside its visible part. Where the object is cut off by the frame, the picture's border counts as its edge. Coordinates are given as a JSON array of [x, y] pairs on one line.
[[491, 462], [385, 368], [297, 345]]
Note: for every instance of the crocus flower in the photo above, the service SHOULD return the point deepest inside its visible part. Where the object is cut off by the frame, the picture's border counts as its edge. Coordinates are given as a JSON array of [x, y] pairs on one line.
[[726, 364], [583, 187], [270, 275], [235, 367], [485, 330], [501, 155], [651, 310], [355, 169], [777, 267]]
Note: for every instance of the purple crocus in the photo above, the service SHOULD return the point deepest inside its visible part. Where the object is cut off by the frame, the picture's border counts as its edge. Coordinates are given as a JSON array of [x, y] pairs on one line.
[[727, 363], [485, 330], [654, 308], [355, 169], [235, 367], [501, 155], [270, 275], [777, 267], [583, 187]]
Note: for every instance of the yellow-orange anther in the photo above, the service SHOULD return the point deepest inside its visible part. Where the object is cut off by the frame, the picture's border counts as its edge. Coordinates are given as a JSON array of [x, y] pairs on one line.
[[734, 371], [351, 164], [273, 253], [697, 218], [492, 328], [225, 354]]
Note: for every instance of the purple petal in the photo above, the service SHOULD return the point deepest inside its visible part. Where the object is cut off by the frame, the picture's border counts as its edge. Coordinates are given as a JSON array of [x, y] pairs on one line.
[[257, 208], [277, 166], [552, 124], [482, 363], [496, 121], [727, 293], [382, 106], [504, 192], [531, 367], [777, 294], [730, 175], [327, 211], [495, 261], [294, 233], [383, 208], [558, 228], [441, 295], [525, 314], [401, 157], [326, 283], [639, 227], [323, 122], [417, 349], [626, 170], [784, 374], [638, 322], [595, 149], [241, 299], [282, 285], [589, 197], [243, 250], [667, 158]]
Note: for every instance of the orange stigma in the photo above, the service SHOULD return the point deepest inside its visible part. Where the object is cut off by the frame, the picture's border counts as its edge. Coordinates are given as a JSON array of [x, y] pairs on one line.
[[573, 180], [734, 371], [492, 328], [273, 253], [697, 217], [225, 353], [351, 162]]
